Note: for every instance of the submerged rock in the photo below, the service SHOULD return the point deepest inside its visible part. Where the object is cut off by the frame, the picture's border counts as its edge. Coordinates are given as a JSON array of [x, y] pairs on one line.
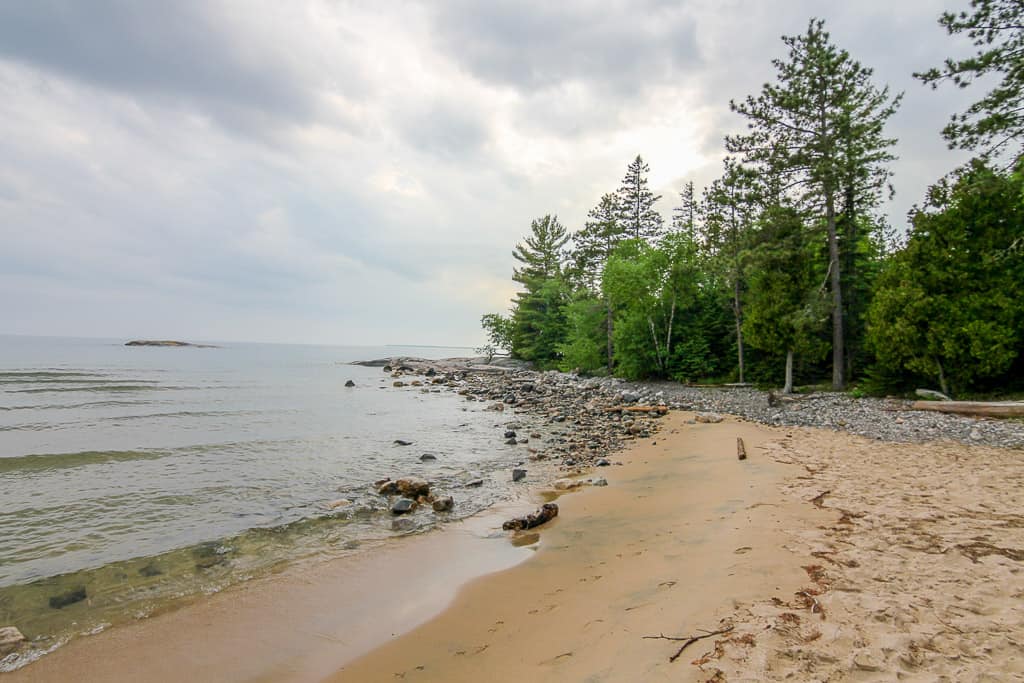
[[427, 457], [518, 474], [403, 524], [340, 503], [402, 442], [444, 504], [350, 383], [547, 512], [69, 598]]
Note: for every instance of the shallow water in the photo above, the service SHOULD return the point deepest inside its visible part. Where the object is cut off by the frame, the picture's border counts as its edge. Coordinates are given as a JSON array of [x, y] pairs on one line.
[[135, 477]]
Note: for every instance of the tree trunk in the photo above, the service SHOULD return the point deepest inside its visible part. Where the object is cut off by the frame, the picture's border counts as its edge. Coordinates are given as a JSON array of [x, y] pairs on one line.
[[838, 355], [943, 385], [668, 336], [788, 389], [738, 312], [657, 347], [608, 324]]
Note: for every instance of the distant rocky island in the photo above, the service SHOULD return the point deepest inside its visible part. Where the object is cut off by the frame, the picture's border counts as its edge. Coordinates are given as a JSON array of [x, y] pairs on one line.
[[168, 342]]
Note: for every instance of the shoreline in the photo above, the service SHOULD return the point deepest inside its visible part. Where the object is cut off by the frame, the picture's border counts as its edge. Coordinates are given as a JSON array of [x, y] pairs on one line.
[[237, 638]]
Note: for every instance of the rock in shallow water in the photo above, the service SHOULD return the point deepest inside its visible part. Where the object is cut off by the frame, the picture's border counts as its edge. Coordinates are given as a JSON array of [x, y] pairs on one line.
[[402, 506], [350, 383], [403, 524], [518, 474], [10, 638], [444, 504], [69, 598]]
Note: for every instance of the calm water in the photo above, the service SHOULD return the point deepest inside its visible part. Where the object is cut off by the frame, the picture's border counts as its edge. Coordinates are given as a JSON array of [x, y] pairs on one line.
[[131, 478]]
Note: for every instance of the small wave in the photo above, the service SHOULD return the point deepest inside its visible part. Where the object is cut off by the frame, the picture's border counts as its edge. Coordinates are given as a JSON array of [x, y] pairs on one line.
[[42, 374], [36, 462], [102, 388], [84, 404]]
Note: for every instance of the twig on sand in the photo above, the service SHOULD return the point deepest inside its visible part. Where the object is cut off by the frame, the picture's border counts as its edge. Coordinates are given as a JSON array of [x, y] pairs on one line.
[[688, 640], [814, 605]]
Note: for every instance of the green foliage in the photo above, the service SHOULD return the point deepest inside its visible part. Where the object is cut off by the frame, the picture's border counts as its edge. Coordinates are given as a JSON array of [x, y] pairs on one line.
[[499, 331], [586, 336], [950, 306], [996, 27], [538, 315]]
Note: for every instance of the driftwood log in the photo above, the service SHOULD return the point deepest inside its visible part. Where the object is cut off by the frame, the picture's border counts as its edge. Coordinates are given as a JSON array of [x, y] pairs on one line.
[[547, 512], [741, 450], [977, 408]]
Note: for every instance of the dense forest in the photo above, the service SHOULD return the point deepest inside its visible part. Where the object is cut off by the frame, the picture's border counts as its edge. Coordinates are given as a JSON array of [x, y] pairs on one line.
[[783, 269]]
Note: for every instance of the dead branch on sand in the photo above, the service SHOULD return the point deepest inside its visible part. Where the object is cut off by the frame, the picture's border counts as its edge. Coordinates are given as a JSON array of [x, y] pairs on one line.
[[688, 640], [741, 450]]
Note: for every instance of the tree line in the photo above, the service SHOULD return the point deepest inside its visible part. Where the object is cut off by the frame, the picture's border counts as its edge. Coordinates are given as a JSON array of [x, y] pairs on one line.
[[784, 268]]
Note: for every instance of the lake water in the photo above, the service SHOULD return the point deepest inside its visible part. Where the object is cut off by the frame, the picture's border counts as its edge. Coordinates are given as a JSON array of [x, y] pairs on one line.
[[132, 478]]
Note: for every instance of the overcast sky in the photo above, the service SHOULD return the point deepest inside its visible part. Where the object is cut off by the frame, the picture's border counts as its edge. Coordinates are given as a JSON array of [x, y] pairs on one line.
[[358, 173]]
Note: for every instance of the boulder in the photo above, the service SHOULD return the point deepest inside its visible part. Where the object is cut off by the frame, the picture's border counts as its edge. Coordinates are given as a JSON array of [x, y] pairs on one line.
[[518, 474], [444, 504], [402, 506], [413, 488], [547, 512], [350, 383], [10, 638]]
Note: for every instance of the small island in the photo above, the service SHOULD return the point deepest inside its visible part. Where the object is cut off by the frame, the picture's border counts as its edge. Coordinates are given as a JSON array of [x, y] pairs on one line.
[[168, 342]]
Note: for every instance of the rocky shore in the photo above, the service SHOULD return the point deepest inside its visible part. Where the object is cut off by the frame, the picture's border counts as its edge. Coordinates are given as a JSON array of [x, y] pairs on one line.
[[595, 416]]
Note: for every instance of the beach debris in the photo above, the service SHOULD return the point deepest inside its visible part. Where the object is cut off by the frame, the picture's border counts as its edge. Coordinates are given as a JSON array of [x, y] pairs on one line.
[[819, 500], [708, 418], [350, 383], [689, 640], [402, 442], [741, 450], [444, 504], [402, 506], [518, 474], [933, 395], [69, 598], [546, 513], [10, 638], [340, 503], [427, 457]]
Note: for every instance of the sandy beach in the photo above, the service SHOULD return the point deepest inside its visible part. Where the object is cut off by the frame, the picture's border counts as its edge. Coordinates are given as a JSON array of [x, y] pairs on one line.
[[822, 556]]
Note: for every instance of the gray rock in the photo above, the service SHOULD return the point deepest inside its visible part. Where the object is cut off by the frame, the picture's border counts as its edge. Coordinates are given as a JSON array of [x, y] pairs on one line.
[[350, 383], [427, 457], [10, 638], [600, 481], [602, 462], [402, 506], [518, 474], [403, 524], [444, 504], [475, 483]]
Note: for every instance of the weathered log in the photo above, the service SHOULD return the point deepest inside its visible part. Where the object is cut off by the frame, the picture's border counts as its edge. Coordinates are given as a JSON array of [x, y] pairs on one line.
[[977, 408], [741, 450]]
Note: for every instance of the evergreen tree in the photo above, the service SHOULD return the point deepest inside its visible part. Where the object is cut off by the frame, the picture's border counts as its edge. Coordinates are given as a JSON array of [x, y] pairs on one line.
[[538, 316], [819, 129], [684, 216], [728, 214], [636, 204], [996, 121]]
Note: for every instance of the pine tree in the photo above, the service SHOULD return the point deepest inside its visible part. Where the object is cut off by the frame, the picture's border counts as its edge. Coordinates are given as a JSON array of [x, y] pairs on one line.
[[996, 121], [538, 315], [636, 204], [684, 216], [819, 129], [594, 244]]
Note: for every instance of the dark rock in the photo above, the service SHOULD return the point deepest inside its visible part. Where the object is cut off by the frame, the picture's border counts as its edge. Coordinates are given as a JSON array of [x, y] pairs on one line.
[[427, 457], [402, 442], [444, 504], [402, 506], [511, 442], [510, 434], [386, 368], [413, 488], [547, 512], [398, 384], [150, 570], [510, 399], [388, 488], [350, 383], [602, 462], [430, 372], [518, 474], [69, 598]]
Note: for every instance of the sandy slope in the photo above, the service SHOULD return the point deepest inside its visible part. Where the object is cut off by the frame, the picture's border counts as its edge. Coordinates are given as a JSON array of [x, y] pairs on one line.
[[907, 569]]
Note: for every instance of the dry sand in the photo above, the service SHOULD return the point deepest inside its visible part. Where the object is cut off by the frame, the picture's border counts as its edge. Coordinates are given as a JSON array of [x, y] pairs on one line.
[[908, 568]]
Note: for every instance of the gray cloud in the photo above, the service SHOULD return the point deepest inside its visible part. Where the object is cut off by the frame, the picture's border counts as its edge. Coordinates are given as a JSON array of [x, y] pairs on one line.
[[619, 47]]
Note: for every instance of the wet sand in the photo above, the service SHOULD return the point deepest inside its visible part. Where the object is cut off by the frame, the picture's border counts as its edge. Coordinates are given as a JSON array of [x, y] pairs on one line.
[[822, 557]]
